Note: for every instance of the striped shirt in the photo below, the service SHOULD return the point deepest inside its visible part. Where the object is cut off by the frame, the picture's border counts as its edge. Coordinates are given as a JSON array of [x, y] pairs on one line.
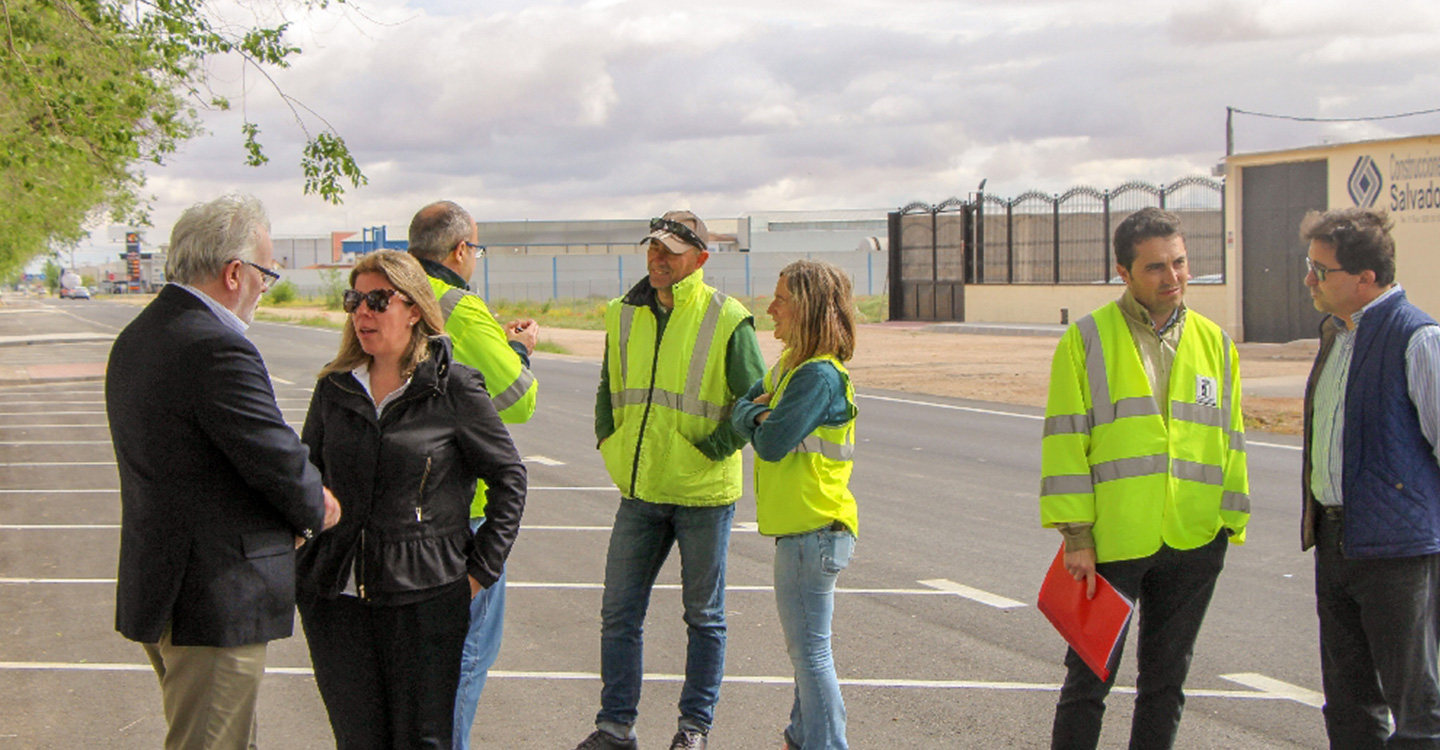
[[1422, 375]]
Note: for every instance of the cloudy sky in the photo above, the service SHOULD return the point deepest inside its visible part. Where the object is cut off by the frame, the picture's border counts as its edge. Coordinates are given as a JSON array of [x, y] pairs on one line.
[[559, 109]]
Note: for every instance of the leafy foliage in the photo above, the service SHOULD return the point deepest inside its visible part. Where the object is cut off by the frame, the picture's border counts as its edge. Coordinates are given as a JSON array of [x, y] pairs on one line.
[[285, 291], [91, 88]]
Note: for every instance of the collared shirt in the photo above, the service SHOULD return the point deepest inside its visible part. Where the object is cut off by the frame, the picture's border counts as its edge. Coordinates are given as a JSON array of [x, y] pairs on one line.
[[230, 319], [362, 374], [1156, 347], [1422, 370]]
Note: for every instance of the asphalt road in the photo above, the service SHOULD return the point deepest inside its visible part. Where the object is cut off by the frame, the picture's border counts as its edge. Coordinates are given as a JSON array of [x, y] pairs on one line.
[[937, 638]]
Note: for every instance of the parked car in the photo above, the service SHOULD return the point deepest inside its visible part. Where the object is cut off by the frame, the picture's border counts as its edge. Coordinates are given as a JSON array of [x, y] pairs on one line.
[[78, 292]]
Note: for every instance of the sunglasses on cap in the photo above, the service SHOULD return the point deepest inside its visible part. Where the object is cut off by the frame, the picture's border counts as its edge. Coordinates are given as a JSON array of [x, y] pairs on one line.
[[686, 234], [378, 300]]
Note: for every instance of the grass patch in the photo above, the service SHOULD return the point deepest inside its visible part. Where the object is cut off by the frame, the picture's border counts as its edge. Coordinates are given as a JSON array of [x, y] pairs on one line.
[[314, 321], [551, 347]]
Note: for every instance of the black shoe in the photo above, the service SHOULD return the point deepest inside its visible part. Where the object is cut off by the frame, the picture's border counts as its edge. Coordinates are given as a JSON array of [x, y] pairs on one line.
[[602, 740], [685, 740]]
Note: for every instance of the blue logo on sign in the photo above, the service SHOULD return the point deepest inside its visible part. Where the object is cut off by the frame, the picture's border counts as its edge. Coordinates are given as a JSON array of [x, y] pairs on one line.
[[1365, 182]]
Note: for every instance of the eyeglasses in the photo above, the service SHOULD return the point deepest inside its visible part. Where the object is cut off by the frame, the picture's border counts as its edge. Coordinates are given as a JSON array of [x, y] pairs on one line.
[[479, 249], [377, 299], [1320, 270], [269, 275], [685, 233]]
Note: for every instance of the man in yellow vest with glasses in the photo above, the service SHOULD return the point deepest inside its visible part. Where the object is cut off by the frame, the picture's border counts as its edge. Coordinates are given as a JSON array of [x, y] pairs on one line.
[[443, 238], [1143, 463], [677, 355]]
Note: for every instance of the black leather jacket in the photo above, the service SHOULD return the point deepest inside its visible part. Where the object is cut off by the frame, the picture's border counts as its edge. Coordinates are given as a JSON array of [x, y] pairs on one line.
[[405, 482]]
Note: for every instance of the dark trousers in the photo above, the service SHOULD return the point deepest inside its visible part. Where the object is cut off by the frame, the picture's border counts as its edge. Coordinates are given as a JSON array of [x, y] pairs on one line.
[[388, 674], [1379, 625], [1172, 590]]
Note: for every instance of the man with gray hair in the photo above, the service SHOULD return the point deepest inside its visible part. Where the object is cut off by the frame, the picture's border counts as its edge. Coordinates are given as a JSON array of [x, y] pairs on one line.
[[216, 491], [443, 237]]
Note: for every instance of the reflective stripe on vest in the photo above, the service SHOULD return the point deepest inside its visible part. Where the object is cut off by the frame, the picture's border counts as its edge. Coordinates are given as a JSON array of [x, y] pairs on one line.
[[668, 394], [1185, 479], [518, 387], [809, 487]]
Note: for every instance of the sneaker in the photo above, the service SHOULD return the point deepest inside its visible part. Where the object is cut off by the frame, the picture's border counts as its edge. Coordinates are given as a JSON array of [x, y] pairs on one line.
[[789, 743], [688, 741], [602, 740]]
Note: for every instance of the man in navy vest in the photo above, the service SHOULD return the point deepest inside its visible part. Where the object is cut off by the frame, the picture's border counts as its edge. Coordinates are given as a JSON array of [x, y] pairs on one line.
[[1371, 485]]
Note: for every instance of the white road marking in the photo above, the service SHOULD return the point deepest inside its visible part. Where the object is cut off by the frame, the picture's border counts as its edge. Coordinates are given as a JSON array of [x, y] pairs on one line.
[[1276, 688], [984, 597], [605, 488], [281, 381], [506, 674], [543, 461]]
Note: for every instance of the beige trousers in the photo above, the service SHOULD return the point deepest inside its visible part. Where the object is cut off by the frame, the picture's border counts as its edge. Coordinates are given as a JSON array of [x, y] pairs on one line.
[[209, 694]]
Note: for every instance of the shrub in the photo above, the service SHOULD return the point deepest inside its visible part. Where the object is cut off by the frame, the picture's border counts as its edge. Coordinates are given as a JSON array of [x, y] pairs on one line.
[[282, 293]]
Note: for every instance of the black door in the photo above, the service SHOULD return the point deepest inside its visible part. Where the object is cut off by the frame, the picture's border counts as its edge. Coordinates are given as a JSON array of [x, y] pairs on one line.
[[1276, 305]]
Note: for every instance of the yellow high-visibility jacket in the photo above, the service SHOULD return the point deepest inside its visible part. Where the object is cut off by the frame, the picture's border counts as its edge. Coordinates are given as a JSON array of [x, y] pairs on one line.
[[809, 488], [1108, 456]]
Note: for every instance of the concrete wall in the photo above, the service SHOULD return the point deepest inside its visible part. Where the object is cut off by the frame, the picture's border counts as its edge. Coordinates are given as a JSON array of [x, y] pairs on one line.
[[1033, 303], [540, 278], [1405, 181]]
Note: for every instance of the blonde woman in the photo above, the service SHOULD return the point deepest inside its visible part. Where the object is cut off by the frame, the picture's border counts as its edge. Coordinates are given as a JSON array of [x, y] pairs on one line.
[[801, 419], [402, 432]]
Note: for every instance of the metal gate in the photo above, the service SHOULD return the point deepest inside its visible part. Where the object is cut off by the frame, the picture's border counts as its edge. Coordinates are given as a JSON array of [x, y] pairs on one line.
[[1275, 303], [929, 260]]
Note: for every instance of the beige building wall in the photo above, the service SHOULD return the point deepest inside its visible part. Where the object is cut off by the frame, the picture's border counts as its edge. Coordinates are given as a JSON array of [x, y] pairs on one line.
[[1037, 303], [1408, 171]]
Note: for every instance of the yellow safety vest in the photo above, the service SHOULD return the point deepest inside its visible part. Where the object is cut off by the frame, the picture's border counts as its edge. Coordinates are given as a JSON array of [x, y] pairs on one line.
[[479, 341], [809, 488], [1109, 458], [666, 398]]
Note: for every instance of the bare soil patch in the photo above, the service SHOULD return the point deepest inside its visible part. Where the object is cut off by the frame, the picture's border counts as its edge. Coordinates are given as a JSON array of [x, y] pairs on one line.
[[1005, 369]]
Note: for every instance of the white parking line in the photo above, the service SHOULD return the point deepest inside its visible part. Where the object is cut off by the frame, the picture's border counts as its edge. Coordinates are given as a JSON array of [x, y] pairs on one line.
[[984, 597], [1277, 688], [506, 674]]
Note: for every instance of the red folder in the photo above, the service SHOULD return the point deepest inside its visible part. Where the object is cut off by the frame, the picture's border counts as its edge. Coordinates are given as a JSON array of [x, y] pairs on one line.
[[1091, 626]]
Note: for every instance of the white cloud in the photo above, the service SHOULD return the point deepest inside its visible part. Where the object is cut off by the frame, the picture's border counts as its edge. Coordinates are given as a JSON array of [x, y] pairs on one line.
[[622, 108]]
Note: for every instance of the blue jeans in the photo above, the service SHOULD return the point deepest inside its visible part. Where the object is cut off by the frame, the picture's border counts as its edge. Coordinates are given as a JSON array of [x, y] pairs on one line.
[[806, 567], [639, 543], [482, 647]]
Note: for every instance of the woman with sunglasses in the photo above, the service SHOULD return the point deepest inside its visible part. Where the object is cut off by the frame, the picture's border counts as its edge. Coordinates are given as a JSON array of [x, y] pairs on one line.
[[401, 433], [801, 419]]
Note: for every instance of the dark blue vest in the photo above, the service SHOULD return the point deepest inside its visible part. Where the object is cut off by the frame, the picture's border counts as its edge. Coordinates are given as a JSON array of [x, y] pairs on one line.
[[1390, 482]]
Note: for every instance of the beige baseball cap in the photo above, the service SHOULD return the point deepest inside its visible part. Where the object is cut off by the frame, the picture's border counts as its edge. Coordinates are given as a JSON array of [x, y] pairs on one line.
[[679, 231]]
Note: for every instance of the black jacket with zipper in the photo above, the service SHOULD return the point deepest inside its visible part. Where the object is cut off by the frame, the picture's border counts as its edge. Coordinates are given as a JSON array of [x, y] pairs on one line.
[[405, 482]]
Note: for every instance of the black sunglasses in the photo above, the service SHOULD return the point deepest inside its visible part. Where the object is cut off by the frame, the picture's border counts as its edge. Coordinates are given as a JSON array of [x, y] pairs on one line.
[[378, 299], [685, 233]]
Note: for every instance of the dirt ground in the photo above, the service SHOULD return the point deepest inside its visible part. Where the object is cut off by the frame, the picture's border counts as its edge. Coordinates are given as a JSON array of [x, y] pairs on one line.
[[1011, 369]]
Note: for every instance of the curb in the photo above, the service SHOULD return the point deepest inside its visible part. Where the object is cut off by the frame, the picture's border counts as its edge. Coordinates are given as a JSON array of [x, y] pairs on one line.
[[75, 372]]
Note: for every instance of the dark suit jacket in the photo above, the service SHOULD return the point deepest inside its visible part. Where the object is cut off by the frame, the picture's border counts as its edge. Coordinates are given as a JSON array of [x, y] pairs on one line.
[[214, 486]]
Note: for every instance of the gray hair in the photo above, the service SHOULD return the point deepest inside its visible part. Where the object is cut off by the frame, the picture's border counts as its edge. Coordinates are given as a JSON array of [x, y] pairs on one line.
[[209, 235], [437, 229]]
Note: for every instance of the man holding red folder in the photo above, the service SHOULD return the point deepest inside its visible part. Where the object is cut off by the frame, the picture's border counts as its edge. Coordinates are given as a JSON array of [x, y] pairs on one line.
[[1147, 490]]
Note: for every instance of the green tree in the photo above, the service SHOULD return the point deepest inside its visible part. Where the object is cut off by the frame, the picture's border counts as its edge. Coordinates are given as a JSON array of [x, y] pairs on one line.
[[52, 275], [90, 89]]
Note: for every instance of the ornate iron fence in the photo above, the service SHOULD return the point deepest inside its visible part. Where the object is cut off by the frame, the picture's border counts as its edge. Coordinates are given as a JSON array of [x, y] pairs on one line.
[[1037, 238]]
